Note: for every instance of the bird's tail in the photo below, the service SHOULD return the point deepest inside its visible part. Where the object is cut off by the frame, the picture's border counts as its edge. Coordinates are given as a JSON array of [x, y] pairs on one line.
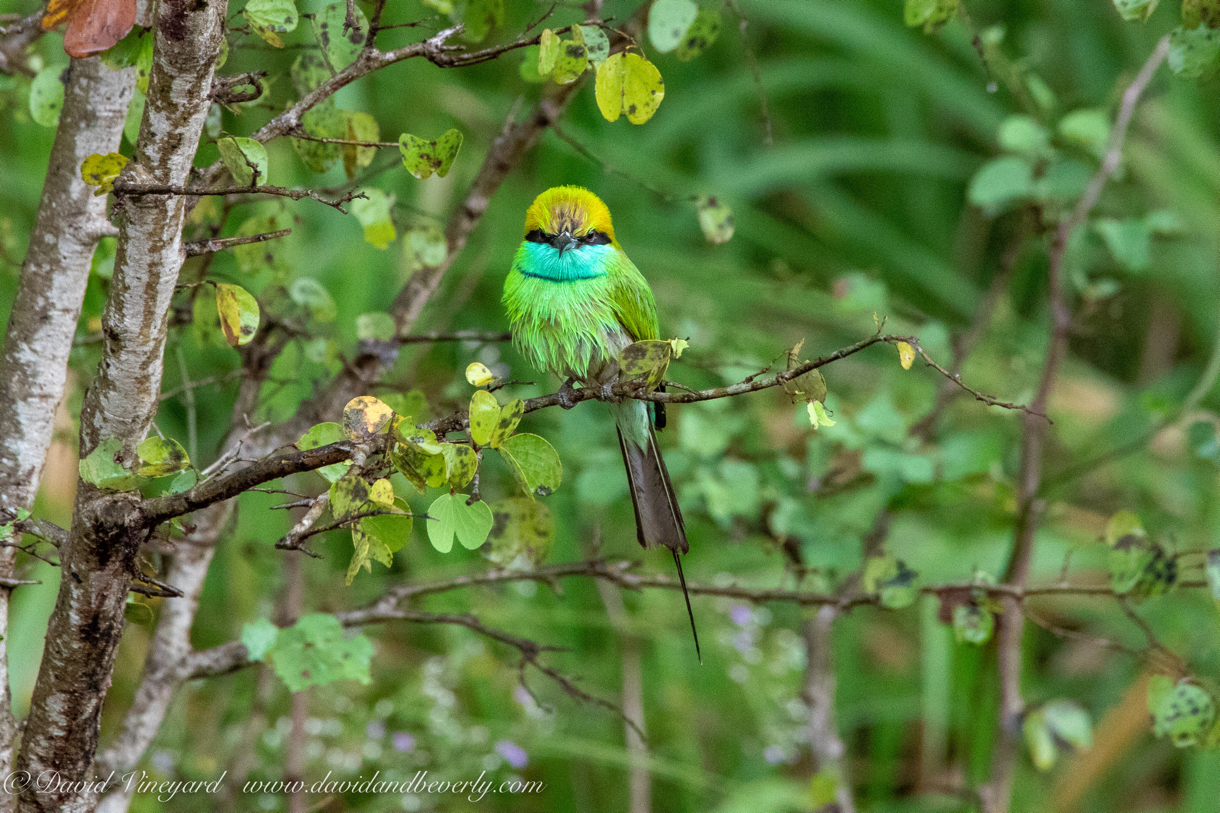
[[658, 520]]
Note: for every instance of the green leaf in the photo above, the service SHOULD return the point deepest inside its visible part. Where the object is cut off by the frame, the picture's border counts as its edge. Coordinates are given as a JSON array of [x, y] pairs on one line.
[[324, 434], [716, 220], [340, 47], [126, 51], [391, 530], [144, 64], [160, 457], [701, 34], [101, 170], [245, 158], [480, 17], [360, 127], [422, 158], [1064, 179], [308, 71], [1184, 714], [1024, 135], [1001, 181], [373, 212], [1192, 51], [596, 43], [254, 258], [47, 95], [323, 121], [104, 467], [529, 65], [451, 517], [1069, 722], [313, 296], [510, 417], [1195, 12], [1087, 128], [1139, 10], [1121, 524], [1129, 241], [668, 22], [522, 534], [259, 638], [973, 623], [238, 313], [484, 415], [628, 84], [901, 589], [931, 14], [270, 18], [817, 414], [135, 115], [534, 462], [424, 248], [1038, 738], [316, 651], [365, 416], [377, 326]]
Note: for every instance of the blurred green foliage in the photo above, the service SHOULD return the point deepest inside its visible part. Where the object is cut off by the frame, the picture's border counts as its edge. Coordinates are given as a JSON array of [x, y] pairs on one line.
[[874, 172]]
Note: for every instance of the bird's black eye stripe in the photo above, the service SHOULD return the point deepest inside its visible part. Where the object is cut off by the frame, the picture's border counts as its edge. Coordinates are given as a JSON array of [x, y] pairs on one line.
[[536, 236], [596, 238]]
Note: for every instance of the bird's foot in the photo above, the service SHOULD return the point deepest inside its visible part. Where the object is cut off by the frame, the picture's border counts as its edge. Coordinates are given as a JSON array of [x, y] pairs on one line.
[[567, 395]]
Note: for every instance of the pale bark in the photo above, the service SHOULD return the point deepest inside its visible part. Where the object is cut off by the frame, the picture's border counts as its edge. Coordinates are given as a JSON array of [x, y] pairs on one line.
[[107, 530], [34, 361]]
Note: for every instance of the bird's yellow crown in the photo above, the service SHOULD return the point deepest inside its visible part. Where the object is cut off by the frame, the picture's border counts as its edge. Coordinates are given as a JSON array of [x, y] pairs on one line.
[[573, 209]]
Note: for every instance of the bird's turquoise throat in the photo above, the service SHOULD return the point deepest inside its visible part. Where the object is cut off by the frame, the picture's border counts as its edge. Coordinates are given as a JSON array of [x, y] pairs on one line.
[[541, 261]]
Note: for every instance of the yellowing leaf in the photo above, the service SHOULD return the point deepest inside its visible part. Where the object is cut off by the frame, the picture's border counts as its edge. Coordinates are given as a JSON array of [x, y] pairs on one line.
[[101, 170], [360, 127], [382, 493], [628, 84], [161, 456], [422, 158], [523, 533], [716, 220], [373, 212], [548, 52], [510, 416], [238, 313], [906, 355], [461, 462], [479, 375], [677, 346], [817, 414], [572, 61], [648, 359], [484, 415], [364, 416]]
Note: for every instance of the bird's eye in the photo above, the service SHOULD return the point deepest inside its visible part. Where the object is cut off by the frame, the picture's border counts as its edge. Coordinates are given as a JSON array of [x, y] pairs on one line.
[[596, 238], [536, 236]]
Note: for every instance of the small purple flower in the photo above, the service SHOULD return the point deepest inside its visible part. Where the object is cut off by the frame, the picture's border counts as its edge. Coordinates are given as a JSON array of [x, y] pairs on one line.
[[740, 614], [375, 730], [774, 754], [403, 741], [513, 754]]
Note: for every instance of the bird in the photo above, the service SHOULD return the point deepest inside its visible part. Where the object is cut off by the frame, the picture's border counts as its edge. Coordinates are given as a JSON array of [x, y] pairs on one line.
[[574, 302]]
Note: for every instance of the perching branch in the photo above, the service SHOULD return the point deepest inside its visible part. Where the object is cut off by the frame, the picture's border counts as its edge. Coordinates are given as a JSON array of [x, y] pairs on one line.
[[124, 188]]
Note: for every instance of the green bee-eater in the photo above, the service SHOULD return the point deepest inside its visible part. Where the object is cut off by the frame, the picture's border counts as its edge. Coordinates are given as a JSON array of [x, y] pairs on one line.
[[575, 301]]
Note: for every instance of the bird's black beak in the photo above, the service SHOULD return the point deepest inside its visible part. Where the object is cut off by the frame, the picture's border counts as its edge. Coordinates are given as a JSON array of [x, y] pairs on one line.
[[564, 241]]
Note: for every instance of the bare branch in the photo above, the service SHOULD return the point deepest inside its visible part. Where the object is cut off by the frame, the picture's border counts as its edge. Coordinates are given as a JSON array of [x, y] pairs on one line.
[[215, 244], [126, 188]]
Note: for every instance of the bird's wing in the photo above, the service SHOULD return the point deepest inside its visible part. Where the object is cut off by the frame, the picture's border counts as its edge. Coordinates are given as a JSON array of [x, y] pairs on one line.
[[632, 300]]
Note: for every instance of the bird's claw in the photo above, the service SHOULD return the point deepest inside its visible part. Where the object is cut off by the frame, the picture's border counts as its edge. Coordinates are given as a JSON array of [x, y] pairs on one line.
[[567, 394]]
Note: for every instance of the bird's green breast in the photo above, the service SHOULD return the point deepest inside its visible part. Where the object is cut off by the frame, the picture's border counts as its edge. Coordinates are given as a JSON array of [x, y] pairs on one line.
[[562, 310]]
